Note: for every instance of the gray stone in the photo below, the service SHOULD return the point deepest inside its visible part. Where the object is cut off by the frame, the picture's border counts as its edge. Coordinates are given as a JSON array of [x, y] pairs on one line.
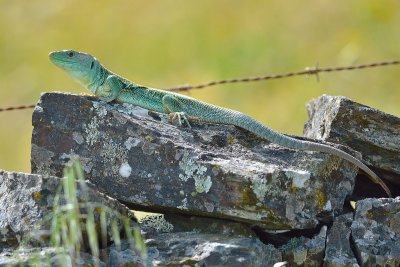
[[45, 257], [127, 255], [26, 199], [210, 170], [301, 251], [338, 252], [84, 260], [194, 249], [206, 225], [376, 232], [172, 223], [372, 132], [188, 249], [28, 257]]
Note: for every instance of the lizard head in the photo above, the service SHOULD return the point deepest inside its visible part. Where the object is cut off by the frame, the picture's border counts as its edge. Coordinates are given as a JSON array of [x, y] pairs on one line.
[[82, 67]]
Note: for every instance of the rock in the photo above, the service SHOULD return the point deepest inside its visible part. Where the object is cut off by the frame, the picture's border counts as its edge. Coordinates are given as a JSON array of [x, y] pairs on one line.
[[376, 232], [45, 257], [84, 260], [195, 249], [372, 132], [301, 251], [128, 255], [195, 224], [26, 199], [25, 257], [338, 252], [209, 170], [172, 223]]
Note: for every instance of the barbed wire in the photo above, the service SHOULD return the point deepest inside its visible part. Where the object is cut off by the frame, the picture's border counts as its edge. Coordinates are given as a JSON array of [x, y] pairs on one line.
[[308, 71], [17, 108]]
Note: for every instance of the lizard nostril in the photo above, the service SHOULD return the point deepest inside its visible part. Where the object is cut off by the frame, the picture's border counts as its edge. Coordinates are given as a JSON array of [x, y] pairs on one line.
[[70, 54]]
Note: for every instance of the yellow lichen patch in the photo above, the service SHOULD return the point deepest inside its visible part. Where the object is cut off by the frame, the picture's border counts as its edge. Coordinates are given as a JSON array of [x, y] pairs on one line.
[[189, 262], [149, 138], [275, 219], [369, 215], [320, 199], [293, 188], [98, 209], [248, 197], [230, 140], [37, 195]]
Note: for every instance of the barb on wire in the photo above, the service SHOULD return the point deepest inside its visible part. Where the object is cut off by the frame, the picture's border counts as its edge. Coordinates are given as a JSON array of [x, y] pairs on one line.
[[17, 108], [308, 71]]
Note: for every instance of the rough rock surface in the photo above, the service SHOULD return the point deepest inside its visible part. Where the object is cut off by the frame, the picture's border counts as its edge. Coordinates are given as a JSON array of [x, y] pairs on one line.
[[338, 252], [301, 251], [188, 249], [27, 198], [126, 256], [376, 232], [211, 170], [169, 223], [372, 132], [197, 224], [45, 257]]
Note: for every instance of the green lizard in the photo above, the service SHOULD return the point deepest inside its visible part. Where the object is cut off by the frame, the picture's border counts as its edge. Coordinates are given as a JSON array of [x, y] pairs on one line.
[[108, 86]]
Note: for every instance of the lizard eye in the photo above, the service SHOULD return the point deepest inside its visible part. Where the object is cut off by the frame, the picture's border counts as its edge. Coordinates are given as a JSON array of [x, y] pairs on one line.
[[91, 65], [70, 54]]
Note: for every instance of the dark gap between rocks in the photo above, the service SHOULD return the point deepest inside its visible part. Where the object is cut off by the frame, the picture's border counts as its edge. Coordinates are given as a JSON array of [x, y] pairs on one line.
[[365, 188], [281, 239], [354, 249]]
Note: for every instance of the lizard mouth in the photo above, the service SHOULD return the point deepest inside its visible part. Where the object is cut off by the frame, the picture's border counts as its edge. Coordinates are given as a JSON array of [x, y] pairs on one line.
[[59, 59]]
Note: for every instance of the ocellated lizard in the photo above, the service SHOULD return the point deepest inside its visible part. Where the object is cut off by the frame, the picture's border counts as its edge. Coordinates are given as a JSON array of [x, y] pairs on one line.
[[109, 86]]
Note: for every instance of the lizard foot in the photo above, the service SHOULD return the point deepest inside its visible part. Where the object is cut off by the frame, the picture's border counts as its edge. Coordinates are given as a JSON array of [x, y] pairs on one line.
[[179, 118]]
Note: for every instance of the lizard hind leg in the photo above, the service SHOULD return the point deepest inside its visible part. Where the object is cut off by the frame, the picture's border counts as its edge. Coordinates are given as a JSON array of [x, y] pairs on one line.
[[174, 110]]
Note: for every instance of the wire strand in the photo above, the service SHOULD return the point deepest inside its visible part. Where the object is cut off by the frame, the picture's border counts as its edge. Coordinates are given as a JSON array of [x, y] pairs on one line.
[[17, 108], [308, 71]]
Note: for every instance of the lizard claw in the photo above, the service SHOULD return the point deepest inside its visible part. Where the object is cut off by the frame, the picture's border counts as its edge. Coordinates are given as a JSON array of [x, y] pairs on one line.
[[179, 117]]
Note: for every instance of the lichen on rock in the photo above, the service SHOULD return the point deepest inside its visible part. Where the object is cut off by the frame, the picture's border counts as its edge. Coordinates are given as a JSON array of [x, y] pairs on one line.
[[195, 171], [155, 223]]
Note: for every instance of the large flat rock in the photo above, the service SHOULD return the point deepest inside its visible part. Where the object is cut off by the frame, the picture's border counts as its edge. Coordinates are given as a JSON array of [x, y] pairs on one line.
[[197, 249], [370, 131], [211, 170]]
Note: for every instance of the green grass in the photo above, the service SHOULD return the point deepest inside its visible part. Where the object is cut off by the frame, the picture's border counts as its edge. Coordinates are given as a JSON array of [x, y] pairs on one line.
[[74, 228]]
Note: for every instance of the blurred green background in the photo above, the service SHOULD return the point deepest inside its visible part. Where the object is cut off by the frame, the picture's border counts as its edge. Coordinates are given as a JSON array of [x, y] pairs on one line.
[[168, 43]]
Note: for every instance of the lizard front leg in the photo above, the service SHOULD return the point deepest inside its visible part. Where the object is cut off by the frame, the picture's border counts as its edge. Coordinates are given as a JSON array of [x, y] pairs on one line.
[[110, 89], [175, 111]]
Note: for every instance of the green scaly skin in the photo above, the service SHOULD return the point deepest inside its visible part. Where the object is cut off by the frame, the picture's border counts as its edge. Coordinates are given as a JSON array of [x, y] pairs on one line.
[[108, 86]]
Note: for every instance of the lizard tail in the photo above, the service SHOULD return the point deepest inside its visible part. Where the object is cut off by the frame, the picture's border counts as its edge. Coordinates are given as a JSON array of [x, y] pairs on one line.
[[340, 153], [265, 132]]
